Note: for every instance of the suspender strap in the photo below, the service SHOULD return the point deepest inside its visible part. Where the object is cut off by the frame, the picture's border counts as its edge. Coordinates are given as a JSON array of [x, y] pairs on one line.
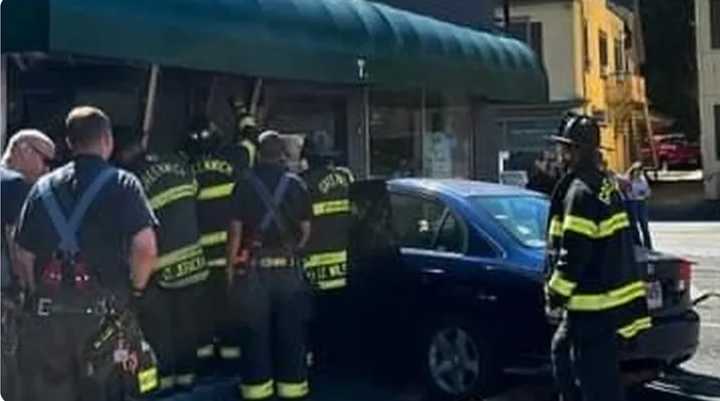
[[67, 228], [271, 202]]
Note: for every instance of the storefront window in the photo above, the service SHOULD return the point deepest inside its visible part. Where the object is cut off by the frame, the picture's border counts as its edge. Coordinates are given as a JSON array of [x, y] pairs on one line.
[[407, 141], [447, 138], [395, 134]]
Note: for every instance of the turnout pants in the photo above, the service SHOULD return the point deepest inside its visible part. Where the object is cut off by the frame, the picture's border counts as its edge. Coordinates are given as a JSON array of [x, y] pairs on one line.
[[169, 320], [52, 365], [9, 338], [274, 307], [218, 350], [585, 353]]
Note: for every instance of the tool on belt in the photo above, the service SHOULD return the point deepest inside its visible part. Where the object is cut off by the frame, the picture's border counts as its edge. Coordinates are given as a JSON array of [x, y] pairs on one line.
[[70, 287], [119, 347]]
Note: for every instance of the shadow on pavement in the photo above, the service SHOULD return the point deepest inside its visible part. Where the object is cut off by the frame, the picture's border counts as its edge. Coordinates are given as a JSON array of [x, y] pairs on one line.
[[682, 201], [690, 384]]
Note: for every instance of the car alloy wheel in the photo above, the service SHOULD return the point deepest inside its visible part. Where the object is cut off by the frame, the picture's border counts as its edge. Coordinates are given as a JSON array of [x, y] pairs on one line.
[[454, 361]]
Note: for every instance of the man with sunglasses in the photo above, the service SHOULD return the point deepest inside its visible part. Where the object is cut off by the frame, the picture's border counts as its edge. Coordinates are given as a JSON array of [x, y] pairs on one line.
[[30, 153], [26, 158]]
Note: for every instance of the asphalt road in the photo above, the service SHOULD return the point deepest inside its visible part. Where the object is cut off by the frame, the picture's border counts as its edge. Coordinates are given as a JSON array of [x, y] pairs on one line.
[[699, 242], [698, 379]]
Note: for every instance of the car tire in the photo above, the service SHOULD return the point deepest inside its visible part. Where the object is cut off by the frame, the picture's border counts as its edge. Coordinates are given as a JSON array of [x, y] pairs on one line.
[[458, 361]]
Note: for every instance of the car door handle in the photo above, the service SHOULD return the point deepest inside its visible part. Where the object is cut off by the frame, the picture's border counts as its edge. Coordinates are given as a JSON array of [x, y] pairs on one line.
[[434, 270]]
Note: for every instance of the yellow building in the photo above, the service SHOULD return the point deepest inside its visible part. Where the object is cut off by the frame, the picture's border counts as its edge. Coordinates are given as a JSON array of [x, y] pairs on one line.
[[592, 56]]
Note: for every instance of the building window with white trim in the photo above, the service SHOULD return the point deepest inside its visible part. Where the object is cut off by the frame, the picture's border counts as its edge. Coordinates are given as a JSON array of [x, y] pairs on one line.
[[715, 24]]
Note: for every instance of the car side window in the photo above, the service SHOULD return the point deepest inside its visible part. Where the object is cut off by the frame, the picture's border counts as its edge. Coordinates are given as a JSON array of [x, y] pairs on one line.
[[451, 237], [415, 220]]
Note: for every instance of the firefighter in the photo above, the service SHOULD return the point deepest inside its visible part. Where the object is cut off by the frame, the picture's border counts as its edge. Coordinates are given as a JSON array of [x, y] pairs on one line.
[[594, 282], [271, 213], [246, 129], [86, 243], [329, 187], [29, 154], [167, 311], [326, 255], [216, 167]]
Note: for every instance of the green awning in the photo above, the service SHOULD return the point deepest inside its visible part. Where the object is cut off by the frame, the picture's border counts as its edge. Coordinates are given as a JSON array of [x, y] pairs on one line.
[[334, 41]]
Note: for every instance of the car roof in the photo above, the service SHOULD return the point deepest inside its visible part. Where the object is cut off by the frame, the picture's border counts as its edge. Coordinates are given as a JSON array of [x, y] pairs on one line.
[[460, 188]]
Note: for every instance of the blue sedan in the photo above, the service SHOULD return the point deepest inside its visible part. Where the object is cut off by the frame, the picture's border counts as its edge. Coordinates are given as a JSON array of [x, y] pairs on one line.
[[447, 275]]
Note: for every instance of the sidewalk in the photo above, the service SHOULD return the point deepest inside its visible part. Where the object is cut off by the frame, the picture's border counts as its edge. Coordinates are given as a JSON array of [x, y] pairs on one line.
[[682, 201]]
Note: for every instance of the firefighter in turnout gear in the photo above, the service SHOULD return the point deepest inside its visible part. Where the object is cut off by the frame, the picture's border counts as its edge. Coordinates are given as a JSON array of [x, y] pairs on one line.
[[270, 294], [594, 282], [86, 241], [168, 310], [246, 130], [216, 168], [326, 257], [329, 186]]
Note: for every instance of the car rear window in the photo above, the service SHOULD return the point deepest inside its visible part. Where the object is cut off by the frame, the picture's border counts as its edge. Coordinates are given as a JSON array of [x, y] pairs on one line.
[[524, 217]]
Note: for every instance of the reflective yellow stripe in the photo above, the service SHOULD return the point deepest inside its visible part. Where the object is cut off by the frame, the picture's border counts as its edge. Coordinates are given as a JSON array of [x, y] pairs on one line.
[[559, 284], [171, 195], [556, 229], [206, 351], [230, 352], [616, 222], [217, 191], [167, 382], [635, 327], [186, 379], [210, 239], [331, 207], [332, 284], [327, 258], [178, 256], [257, 391], [608, 300], [293, 390], [219, 262], [588, 228], [147, 380], [199, 277], [250, 147], [580, 225]]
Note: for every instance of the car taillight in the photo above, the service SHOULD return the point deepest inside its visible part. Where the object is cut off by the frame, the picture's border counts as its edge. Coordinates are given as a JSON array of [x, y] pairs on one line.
[[684, 275]]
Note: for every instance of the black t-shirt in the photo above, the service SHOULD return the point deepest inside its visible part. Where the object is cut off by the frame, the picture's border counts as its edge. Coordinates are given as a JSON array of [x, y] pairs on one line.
[[119, 212], [13, 191], [247, 206]]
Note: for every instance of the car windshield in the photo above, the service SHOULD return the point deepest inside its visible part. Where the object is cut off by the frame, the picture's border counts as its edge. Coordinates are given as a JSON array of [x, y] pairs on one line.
[[525, 217]]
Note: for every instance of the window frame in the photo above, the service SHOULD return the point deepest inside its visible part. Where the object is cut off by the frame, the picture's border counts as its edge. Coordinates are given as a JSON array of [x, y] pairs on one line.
[[533, 32], [603, 54], [447, 211], [714, 27], [716, 118]]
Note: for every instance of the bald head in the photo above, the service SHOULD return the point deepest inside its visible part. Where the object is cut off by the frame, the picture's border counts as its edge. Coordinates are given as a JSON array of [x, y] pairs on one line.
[[89, 131], [272, 147], [30, 152]]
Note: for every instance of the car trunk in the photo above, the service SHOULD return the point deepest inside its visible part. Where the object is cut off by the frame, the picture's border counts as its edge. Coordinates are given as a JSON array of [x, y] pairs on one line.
[[669, 282]]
